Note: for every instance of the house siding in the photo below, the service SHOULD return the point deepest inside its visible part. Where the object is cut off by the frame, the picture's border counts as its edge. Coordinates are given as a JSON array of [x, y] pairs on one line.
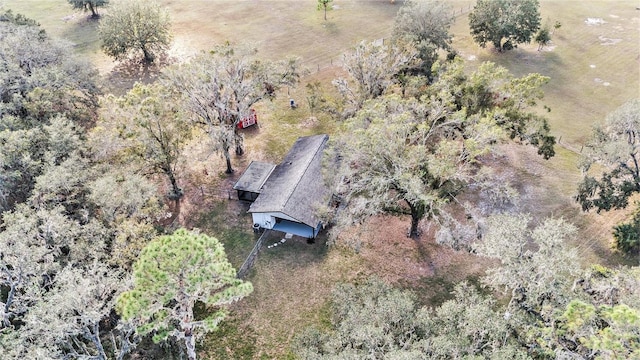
[[266, 220]]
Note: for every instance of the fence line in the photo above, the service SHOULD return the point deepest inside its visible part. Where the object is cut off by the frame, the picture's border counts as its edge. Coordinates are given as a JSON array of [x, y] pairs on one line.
[[251, 259]]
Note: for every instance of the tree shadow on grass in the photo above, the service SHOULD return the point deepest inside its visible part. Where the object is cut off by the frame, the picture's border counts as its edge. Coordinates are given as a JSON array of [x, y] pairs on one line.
[[83, 33], [135, 70]]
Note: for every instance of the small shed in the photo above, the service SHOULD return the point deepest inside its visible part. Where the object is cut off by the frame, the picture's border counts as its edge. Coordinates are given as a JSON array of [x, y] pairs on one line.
[[294, 191], [251, 181]]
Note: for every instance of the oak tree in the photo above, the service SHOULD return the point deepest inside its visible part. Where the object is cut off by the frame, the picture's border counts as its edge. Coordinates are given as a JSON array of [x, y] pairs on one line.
[[555, 309], [132, 26], [406, 156], [614, 145], [131, 205], [73, 318], [41, 78], [413, 156], [46, 94], [504, 23], [374, 320], [426, 25], [372, 68], [146, 127], [492, 91], [220, 87], [534, 276], [89, 5]]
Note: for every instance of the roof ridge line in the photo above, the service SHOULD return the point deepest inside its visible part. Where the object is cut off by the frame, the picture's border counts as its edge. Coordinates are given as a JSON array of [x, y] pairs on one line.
[[284, 205]]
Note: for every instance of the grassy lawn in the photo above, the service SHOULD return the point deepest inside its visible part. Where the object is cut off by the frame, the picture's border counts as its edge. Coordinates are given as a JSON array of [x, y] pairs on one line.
[[593, 66]]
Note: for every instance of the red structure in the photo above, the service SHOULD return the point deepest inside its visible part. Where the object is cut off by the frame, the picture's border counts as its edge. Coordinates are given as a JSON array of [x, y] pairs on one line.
[[250, 120]]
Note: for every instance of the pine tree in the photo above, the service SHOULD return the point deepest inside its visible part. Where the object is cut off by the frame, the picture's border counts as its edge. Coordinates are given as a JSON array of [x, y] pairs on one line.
[[174, 272]]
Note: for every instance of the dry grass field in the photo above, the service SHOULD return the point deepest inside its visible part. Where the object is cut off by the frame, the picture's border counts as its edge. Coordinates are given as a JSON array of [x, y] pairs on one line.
[[594, 66]]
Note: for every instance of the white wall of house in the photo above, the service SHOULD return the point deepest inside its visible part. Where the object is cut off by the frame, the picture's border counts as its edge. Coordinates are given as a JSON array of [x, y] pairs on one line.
[[267, 220]]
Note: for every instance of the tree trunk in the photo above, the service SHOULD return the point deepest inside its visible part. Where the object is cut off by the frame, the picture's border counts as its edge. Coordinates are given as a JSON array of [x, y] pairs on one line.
[[229, 168], [325, 12], [4, 322], [190, 343], [94, 12], [176, 192], [225, 151], [125, 333], [148, 57], [417, 213], [415, 220], [94, 335], [239, 140]]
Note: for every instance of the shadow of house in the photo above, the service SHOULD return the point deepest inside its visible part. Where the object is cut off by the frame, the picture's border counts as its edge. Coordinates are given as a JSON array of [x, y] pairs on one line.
[[286, 197]]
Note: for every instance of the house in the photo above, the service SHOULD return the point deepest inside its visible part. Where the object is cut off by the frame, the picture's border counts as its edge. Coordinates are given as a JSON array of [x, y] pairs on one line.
[[287, 197]]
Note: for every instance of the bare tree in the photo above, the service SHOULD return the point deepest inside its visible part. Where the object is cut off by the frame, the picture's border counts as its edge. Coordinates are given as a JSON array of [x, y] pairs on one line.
[[372, 68]]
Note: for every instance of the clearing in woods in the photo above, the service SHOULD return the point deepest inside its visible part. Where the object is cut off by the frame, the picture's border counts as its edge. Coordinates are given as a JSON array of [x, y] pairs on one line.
[[594, 67]]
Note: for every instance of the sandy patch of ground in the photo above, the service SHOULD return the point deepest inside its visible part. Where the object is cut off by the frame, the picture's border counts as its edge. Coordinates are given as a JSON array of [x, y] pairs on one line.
[[308, 122], [595, 21], [608, 41]]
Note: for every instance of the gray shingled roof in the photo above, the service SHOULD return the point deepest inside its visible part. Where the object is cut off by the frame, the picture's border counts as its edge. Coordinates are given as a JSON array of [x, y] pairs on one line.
[[254, 176], [295, 187]]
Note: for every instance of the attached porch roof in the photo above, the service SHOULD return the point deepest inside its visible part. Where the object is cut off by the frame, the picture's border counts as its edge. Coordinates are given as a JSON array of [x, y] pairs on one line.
[[295, 228], [254, 177]]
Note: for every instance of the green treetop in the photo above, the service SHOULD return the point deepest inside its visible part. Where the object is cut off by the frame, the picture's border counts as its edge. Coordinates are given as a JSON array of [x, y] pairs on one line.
[[174, 272]]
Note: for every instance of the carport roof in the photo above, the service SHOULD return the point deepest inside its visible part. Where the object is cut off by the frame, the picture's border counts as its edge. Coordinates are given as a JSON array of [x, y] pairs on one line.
[[254, 176]]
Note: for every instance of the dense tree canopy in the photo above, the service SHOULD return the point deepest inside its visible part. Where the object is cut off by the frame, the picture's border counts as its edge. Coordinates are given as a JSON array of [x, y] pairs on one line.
[[504, 23], [146, 127], [375, 321], [551, 294], [553, 308], [57, 231], [46, 94], [414, 155], [67, 322], [132, 27]]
